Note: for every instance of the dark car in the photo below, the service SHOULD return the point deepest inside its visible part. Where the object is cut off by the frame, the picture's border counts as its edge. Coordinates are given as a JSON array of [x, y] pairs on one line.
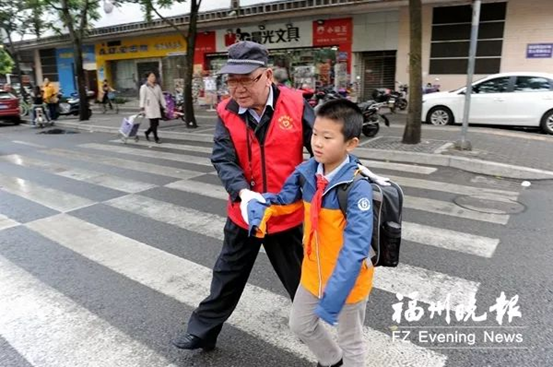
[[9, 107]]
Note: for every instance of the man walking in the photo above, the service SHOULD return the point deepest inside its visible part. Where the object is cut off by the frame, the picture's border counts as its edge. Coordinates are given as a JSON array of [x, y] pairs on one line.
[[259, 140]]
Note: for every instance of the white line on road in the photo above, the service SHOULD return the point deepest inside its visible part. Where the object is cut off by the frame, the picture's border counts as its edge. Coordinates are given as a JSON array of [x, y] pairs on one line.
[[6, 222], [153, 154], [48, 329], [27, 143], [149, 168], [449, 240], [80, 174], [51, 198], [260, 313]]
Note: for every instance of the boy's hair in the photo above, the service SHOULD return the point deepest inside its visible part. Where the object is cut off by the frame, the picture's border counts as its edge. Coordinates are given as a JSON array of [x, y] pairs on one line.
[[346, 113]]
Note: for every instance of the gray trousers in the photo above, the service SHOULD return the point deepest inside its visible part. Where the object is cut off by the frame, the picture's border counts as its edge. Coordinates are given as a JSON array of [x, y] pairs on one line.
[[308, 327]]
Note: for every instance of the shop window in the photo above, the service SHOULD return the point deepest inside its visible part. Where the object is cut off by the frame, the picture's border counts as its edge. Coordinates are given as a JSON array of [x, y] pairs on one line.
[[451, 28], [49, 64]]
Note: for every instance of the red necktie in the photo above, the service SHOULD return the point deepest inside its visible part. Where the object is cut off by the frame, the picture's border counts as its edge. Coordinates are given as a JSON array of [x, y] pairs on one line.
[[316, 203]]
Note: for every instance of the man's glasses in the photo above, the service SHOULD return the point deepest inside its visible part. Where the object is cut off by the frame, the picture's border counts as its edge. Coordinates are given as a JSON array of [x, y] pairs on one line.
[[245, 82]]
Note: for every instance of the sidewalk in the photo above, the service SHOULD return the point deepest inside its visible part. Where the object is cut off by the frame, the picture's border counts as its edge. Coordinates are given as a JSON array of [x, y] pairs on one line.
[[498, 152]]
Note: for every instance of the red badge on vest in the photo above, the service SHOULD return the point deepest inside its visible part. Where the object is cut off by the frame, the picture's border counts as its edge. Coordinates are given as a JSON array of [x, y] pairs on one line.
[[285, 122]]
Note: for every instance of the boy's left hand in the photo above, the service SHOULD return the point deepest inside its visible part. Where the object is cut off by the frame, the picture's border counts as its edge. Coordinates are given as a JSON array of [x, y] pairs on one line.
[[326, 316]]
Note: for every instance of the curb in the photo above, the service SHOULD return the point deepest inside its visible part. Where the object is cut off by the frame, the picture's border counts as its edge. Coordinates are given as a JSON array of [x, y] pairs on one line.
[[466, 164]]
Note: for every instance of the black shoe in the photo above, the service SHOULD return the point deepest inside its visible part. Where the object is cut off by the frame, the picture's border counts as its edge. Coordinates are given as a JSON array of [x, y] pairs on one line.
[[147, 137], [158, 141], [191, 342], [341, 362]]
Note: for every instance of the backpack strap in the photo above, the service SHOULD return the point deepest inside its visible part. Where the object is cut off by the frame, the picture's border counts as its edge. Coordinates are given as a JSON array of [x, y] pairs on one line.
[[344, 190]]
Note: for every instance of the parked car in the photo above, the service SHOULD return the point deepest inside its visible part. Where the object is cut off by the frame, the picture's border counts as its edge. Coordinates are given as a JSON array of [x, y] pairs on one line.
[[9, 107], [509, 99]]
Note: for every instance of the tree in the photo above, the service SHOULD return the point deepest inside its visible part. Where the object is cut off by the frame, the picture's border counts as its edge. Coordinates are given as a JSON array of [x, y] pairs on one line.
[[6, 62], [412, 133], [76, 16], [154, 6], [13, 19]]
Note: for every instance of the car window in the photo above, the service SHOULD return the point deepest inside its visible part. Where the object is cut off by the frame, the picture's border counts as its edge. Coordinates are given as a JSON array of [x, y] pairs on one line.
[[497, 85], [532, 84]]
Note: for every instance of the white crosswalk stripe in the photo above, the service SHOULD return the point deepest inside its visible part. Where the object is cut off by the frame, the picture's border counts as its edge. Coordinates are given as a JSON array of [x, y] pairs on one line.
[[159, 270], [149, 154], [126, 164], [79, 174], [50, 198], [6, 222], [369, 163], [48, 329]]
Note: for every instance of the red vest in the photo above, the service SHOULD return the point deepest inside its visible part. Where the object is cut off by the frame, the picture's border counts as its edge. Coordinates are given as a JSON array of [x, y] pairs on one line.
[[268, 166]]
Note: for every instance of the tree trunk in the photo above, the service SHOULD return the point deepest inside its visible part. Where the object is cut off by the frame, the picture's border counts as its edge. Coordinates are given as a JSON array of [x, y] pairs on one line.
[[77, 41], [189, 68], [412, 133], [15, 57], [81, 80]]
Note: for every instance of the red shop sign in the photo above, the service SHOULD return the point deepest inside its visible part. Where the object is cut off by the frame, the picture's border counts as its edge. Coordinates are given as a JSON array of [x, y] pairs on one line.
[[330, 32]]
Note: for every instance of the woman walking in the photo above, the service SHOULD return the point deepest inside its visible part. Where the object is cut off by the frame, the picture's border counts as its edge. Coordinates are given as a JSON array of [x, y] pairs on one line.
[[152, 103], [106, 90]]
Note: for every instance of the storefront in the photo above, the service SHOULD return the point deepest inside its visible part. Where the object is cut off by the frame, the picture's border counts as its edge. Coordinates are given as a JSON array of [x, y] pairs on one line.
[[65, 62], [315, 53]]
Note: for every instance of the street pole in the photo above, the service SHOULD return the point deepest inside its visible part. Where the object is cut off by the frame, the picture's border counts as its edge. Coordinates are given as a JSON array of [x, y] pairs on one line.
[[464, 144]]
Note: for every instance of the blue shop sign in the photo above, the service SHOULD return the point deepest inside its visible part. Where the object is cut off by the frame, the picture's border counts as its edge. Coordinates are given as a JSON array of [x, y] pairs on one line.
[[66, 67], [539, 50]]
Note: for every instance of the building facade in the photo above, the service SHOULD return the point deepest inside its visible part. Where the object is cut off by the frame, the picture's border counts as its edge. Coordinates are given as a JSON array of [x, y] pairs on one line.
[[355, 44]]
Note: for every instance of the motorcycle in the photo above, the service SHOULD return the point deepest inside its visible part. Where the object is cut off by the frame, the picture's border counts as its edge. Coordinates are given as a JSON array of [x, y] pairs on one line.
[[372, 117], [391, 97], [71, 106], [401, 100]]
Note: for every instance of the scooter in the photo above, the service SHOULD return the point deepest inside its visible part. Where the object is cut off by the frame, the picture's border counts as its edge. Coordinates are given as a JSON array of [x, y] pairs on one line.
[[372, 117], [40, 118], [71, 106]]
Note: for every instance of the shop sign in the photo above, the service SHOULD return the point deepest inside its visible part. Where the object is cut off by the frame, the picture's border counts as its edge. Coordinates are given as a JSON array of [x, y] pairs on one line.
[[539, 50], [295, 34], [331, 32], [141, 47]]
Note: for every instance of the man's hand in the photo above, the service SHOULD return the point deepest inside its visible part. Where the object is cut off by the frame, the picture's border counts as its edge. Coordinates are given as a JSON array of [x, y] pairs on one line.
[[382, 181], [246, 196]]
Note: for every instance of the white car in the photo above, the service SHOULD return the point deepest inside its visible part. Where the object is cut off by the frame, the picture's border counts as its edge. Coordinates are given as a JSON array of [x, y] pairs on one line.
[[511, 99]]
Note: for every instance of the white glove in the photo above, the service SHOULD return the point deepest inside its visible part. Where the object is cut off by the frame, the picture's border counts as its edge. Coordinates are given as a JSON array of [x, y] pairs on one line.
[[380, 180], [246, 196]]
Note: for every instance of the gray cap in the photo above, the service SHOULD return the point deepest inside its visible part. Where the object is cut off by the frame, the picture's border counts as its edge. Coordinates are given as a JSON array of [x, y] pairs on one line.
[[244, 57]]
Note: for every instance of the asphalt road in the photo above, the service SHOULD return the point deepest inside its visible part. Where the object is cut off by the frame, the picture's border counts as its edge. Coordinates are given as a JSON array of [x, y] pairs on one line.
[[105, 250]]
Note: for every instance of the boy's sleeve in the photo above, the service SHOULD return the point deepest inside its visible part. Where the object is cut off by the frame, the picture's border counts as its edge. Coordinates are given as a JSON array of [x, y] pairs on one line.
[[287, 201], [355, 249]]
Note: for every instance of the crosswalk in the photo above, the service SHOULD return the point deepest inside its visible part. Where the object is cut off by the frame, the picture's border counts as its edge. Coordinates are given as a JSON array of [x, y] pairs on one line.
[[46, 327]]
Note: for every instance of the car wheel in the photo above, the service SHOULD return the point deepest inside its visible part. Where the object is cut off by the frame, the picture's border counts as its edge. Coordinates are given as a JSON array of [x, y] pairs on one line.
[[547, 122], [440, 116], [17, 120]]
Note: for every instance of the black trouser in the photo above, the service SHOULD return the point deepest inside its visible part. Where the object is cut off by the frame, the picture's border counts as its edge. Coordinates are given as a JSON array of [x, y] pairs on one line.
[[154, 123], [106, 100], [53, 111], [232, 270]]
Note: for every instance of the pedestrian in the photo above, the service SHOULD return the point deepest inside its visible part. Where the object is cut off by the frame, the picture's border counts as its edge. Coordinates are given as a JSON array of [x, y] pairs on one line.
[[258, 141], [106, 90], [152, 104], [337, 271], [38, 102], [281, 77], [51, 98]]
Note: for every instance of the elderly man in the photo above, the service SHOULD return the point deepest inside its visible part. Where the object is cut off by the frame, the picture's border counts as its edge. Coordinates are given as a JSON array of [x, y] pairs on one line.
[[259, 140]]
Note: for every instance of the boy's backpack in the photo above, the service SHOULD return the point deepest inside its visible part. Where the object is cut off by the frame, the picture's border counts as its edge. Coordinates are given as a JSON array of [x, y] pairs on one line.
[[387, 208]]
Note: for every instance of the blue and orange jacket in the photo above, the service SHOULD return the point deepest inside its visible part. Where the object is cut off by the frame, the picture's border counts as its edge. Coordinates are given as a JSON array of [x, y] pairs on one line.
[[338, 270]]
